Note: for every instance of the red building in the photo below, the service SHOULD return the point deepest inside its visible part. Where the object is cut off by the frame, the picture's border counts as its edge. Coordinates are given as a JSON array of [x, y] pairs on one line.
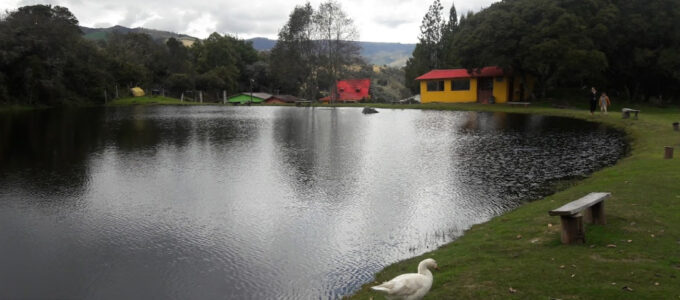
[[351, 90], [281, 99]]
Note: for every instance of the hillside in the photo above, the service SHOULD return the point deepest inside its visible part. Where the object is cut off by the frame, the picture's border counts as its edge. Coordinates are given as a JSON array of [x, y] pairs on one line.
[[97, 34], [389, 54]]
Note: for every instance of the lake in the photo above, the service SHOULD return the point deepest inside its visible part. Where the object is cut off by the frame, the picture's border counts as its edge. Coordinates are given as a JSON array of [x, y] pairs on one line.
[[210, 202]]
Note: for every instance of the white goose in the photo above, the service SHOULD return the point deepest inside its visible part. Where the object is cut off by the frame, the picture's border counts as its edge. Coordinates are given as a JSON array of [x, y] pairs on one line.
[[411, 286]]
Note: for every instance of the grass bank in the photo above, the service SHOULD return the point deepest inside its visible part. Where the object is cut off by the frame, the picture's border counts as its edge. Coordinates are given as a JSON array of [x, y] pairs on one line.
[[15, 108], [519, 255], [149, 100]]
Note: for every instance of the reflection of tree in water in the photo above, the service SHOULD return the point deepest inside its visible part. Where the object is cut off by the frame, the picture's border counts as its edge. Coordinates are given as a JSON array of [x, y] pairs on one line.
[[294, 137], [150, 128], [311, 143], [52, 144]]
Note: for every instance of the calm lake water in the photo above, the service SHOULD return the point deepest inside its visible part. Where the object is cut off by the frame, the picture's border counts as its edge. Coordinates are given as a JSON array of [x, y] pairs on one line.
[[259, 202]]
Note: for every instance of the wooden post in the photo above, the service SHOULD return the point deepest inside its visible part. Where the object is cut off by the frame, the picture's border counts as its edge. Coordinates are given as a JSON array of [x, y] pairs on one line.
[[572, 229], [595, 214], [224, 96], [200, 96], [668, 152], [116, 91], [181, 97], [106, 97]]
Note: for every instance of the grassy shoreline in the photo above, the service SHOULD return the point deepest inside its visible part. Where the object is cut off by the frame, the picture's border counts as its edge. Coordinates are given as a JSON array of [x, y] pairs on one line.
[[150, 100], [14, 108], [518, 255]]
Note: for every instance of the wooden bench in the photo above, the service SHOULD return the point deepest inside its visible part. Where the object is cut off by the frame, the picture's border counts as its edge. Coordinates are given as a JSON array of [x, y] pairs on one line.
[[625, 113], [526, 104], [572, 219]]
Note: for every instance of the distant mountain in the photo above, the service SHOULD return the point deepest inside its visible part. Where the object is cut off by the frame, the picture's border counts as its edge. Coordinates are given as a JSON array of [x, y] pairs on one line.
[[97, 34], [263, 44], [389, 54]]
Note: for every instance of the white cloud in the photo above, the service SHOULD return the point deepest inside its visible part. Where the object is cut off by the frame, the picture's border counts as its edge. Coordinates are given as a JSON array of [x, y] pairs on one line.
[[376, 20]]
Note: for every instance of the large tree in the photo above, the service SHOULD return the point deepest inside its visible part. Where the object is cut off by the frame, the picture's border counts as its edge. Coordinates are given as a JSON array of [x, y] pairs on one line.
[[40, 55], [336, 36], [315, 49], [134, 58], [427, 54], [293, 59], [225, 58], [446, 58]]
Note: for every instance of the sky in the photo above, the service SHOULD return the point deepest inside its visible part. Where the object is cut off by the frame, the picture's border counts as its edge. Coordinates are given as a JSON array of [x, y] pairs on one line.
[[396, 21]]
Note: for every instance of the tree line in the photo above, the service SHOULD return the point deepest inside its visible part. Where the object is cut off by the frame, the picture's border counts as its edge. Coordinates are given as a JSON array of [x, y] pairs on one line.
[[630, 48], [45, 60]]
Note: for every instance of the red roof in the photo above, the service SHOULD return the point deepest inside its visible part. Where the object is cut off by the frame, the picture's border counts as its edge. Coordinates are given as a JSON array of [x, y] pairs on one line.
[[283, 98], [351, 90], [462, 73]]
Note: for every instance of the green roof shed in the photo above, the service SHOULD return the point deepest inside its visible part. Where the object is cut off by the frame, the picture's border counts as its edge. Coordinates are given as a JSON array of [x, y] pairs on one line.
[[244, 98]]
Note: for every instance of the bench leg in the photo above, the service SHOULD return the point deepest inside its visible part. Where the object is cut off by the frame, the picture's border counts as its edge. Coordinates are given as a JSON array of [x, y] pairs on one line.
[[625, 115], [636, 115], [595, 214], [572, 229]]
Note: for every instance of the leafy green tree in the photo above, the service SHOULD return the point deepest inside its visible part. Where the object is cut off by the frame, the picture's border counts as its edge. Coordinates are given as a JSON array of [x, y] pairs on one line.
[[210, 81], [292, 59], [39, 57], [533, 37], [136, 59], [178, 83], [261, 74], [627, 47], [84, 76], [226, 57]]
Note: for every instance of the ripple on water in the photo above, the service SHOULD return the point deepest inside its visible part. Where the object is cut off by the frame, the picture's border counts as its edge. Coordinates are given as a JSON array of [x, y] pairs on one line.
[[261, 202]]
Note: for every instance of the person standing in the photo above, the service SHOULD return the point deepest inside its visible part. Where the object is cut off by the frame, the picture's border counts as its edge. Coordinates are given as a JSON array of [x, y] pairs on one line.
[[592, 97], [604, 103]]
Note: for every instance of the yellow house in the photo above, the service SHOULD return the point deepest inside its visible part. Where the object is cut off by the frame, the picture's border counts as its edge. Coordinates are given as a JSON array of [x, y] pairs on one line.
[[458, 85]]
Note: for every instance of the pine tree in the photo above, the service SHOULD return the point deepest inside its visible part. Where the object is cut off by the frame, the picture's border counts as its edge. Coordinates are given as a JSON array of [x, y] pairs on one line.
[[427, 54], [448, 32]]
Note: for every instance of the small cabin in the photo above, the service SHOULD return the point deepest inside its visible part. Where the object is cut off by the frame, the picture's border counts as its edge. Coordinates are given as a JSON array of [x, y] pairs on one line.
[[246, 97], [282, 99], [486, 85], [351, 90]]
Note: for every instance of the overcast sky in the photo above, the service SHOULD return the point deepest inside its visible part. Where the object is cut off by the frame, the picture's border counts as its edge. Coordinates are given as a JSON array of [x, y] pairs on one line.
[[376, 20]]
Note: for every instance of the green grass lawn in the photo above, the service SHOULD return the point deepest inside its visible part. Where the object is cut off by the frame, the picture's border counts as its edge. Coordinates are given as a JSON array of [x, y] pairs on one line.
[[148, 100], [13, 108], [635, 256]]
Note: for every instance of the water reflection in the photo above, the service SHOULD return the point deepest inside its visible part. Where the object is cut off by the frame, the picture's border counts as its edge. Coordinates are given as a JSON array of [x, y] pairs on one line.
[[243, 203]]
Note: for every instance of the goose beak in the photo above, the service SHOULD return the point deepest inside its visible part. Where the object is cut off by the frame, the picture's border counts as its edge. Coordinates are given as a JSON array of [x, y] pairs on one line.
[[436, 268]]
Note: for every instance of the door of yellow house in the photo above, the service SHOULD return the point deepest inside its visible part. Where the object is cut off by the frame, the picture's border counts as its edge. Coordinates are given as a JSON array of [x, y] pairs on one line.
[[484, 89]]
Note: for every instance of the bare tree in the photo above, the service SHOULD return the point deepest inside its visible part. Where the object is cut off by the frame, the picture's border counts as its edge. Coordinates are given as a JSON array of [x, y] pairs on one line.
[[336, 34]]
